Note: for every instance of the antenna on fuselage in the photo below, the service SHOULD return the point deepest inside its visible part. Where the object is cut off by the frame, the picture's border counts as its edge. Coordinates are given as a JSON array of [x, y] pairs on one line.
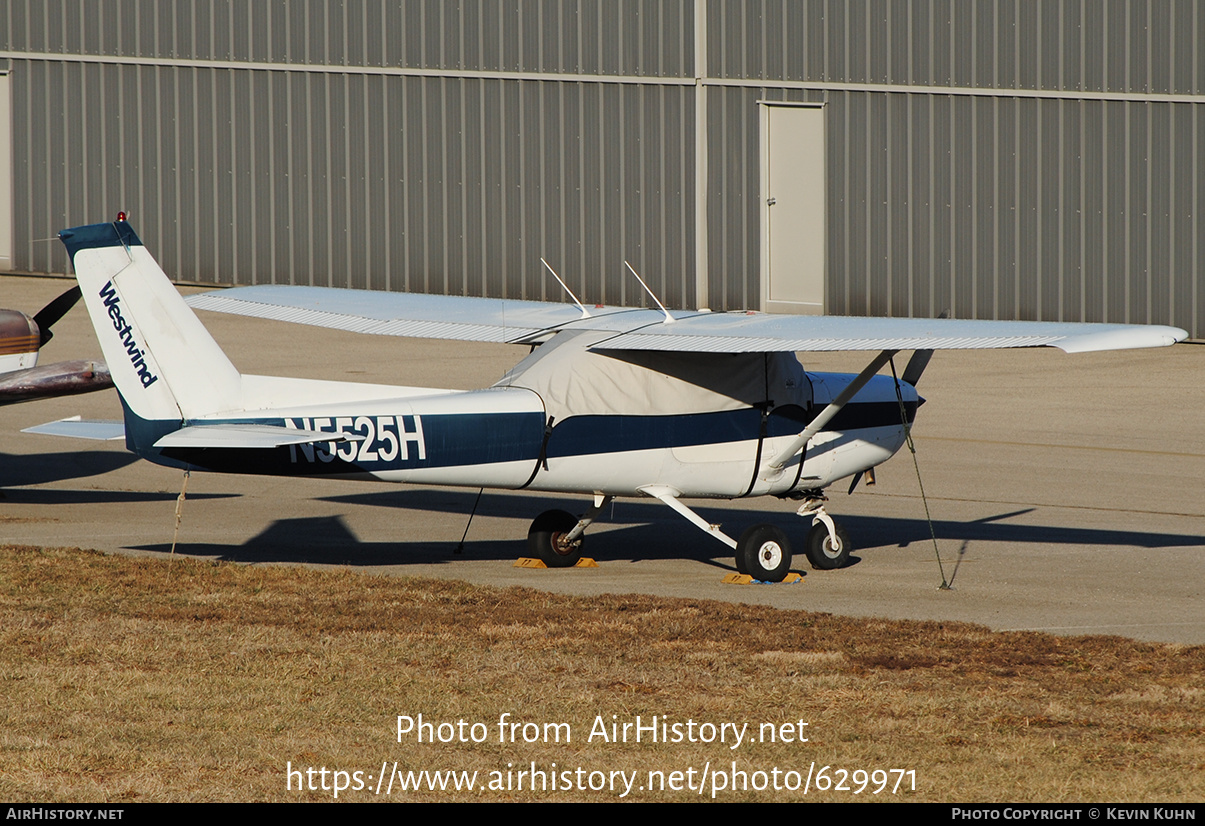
[[669, 319], [585, 312]]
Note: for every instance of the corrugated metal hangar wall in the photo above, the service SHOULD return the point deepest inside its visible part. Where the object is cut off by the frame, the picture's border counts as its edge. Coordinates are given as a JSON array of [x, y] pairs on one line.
[[1038, 159]]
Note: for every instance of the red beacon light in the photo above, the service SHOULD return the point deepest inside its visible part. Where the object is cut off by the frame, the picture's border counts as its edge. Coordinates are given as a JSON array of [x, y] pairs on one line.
[[121, 217]]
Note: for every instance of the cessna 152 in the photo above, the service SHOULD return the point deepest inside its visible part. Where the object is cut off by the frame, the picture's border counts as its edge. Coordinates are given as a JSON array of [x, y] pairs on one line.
[[21, 337], [610, 401]]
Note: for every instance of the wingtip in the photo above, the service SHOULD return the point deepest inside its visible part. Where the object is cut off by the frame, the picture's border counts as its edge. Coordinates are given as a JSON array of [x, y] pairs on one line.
[[1123, 337]]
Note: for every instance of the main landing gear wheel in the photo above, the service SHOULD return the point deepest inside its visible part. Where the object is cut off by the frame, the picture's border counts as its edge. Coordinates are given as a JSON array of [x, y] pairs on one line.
[[822, 552], [546, 539], [764, 553]]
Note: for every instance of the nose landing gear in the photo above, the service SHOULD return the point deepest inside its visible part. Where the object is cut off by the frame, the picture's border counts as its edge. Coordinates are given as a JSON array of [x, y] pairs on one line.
[[828, 545]]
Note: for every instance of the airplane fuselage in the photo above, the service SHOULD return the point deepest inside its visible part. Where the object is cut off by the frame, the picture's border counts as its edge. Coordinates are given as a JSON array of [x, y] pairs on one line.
[[501, 437]]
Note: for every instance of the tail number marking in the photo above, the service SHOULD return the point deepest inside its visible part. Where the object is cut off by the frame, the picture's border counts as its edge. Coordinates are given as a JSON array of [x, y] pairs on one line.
[[383, 439]]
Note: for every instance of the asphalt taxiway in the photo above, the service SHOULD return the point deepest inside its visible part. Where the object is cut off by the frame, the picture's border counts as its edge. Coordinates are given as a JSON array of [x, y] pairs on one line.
[[1066, 491]]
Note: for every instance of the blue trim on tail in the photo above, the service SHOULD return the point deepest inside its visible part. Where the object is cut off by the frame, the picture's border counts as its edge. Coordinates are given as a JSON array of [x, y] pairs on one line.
[[93, 236], [141, 435]]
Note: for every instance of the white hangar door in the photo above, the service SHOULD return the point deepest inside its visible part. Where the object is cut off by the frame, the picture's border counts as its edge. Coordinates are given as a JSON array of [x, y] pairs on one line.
[[794, 222]]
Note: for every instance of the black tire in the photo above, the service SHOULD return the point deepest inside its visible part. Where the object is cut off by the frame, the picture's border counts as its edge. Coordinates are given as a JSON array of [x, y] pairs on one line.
[[765, 553], [740, 562], [820, 550], [545, 539]]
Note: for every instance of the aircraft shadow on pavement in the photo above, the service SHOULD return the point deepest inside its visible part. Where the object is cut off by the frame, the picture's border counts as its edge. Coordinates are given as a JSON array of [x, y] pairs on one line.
[[327, 540], [38, 468], [53, 496], [867, 532], [648, 532], [19, 470]]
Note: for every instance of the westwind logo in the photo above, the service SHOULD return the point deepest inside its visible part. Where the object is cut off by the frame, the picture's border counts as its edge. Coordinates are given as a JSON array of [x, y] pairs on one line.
[[137, 356]]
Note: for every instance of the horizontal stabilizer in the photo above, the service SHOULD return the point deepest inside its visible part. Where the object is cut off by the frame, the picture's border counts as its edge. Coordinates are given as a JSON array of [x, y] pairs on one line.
[[77, 428], [248, 436]]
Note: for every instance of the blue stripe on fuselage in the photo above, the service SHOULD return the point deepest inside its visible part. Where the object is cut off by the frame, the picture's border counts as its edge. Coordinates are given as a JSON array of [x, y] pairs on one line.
[[446, 441], [584, 435]]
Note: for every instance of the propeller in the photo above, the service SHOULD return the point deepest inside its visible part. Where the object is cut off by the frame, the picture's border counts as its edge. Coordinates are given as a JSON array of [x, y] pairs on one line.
[[49, 315], [916, 366], [919, 361]]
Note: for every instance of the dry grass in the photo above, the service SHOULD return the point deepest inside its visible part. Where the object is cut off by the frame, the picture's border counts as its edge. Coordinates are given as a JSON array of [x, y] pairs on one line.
[[143, 680]]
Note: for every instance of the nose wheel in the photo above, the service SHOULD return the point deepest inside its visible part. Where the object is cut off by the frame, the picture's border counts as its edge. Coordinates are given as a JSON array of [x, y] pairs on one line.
[[828, 545]]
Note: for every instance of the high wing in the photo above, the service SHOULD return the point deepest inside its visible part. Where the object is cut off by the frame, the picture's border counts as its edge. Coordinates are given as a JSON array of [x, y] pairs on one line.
[[741, 333], [528, 322], [412, 315]]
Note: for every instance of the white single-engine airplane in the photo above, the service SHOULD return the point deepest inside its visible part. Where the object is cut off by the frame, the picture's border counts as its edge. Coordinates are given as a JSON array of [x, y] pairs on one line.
[[610, 401]]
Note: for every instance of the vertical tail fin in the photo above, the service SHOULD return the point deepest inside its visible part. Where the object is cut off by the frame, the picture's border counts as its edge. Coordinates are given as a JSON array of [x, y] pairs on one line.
[[162, 359]]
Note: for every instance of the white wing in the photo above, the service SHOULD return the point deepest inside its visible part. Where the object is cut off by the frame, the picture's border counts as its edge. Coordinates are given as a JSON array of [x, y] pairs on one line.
[[731, 333], [460, 318], [483, 319]]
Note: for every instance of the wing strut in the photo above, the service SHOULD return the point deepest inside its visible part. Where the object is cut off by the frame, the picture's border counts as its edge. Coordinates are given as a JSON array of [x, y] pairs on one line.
[[670, 497], [774, 466]]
